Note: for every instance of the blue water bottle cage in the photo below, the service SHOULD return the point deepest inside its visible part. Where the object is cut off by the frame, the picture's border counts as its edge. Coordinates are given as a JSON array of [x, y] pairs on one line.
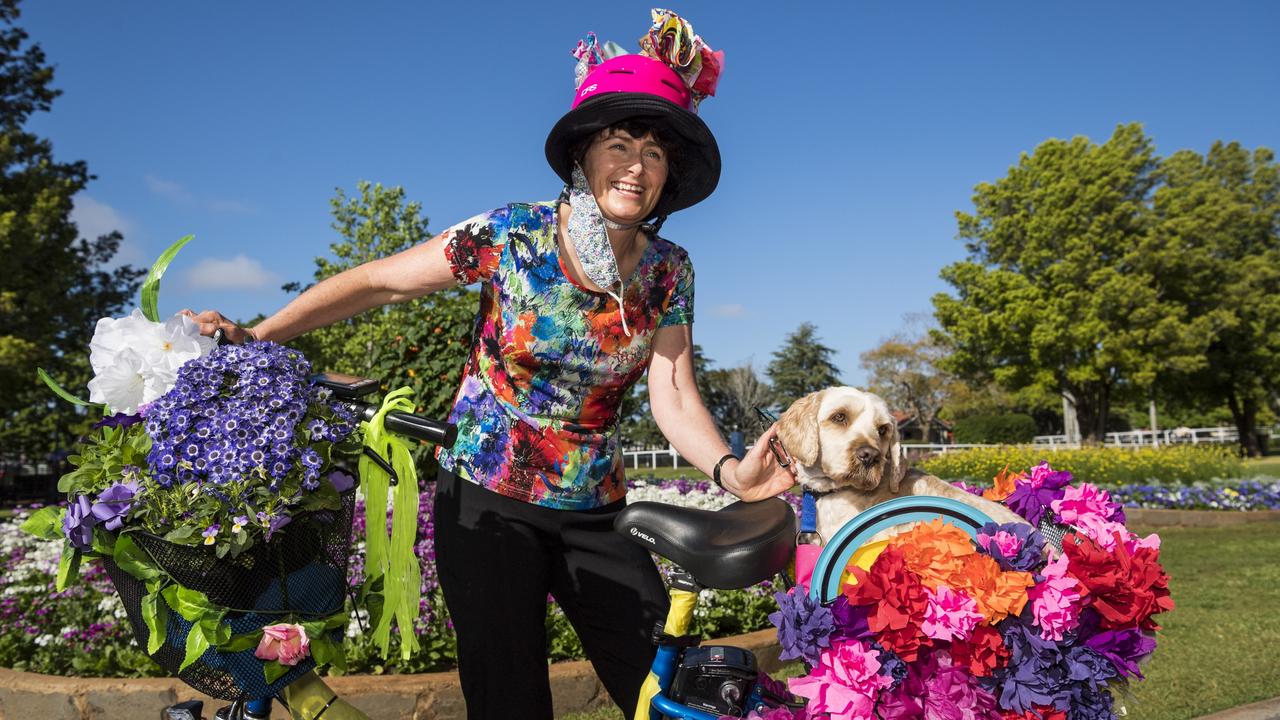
[[835, 557]]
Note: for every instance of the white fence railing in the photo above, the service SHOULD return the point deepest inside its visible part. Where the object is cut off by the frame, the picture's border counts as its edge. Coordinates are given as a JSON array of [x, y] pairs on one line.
[[637, 458]]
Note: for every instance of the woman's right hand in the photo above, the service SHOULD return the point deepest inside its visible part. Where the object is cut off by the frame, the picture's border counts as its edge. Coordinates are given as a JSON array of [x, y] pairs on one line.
[[210, 321]]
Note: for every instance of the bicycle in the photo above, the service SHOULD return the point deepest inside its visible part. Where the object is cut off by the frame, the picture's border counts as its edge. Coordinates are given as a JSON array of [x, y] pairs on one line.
[[735, 547], [307, 697]]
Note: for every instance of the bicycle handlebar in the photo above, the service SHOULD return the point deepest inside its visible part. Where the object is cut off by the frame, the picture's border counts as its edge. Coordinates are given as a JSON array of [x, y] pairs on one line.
[[414, 426]]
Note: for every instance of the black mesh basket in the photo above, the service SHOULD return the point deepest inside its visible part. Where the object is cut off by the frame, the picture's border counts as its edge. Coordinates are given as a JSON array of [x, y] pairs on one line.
[[302, 571]]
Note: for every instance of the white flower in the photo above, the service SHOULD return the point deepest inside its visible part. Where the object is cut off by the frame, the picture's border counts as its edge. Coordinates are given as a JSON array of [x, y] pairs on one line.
[[136, 361]]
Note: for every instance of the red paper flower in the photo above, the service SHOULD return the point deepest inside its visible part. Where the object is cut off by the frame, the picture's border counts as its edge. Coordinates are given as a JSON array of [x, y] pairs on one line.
[[897, 601], [982, 653], [1128, 586]]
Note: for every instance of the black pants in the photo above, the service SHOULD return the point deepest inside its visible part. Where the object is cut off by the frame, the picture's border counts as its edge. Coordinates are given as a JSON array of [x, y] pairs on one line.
[[498, 558]]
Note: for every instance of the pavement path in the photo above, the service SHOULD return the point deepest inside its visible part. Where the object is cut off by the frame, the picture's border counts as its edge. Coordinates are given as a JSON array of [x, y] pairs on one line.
[[1265, 710]]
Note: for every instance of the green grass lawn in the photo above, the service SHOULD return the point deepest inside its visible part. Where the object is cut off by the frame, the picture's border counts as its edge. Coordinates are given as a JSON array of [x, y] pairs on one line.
[[1218, 648], [666, 473], [1269, 466]]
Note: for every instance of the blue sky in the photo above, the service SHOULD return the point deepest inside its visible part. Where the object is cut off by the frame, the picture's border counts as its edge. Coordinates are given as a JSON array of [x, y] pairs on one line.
[[851, 132]]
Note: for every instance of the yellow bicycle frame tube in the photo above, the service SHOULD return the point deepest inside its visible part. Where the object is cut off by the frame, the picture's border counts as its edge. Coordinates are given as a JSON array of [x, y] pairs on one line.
[[679, 618]]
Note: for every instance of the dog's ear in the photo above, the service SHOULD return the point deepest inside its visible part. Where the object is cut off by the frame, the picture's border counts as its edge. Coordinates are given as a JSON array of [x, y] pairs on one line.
[[798, 428], [895, 464]]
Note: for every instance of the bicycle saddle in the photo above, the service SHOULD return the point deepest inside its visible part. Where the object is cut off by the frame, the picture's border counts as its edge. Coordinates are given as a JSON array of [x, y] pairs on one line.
[[731, 548]]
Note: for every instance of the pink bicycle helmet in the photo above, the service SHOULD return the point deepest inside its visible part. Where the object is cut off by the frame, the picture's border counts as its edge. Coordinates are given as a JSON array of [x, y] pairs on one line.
[[640, 87]]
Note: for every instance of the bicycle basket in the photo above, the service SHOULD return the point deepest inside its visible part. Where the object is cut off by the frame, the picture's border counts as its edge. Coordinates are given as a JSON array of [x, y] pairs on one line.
[[302, 571]]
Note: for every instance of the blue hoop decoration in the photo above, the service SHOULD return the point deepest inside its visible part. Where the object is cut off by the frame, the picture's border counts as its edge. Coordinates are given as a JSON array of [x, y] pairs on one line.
[[827, 572]]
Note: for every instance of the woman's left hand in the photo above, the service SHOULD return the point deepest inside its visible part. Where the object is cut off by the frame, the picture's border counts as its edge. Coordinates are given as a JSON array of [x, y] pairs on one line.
[[759, 476]]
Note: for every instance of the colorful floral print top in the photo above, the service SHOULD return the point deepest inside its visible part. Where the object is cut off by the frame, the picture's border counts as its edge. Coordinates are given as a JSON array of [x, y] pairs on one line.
[[537, 411]]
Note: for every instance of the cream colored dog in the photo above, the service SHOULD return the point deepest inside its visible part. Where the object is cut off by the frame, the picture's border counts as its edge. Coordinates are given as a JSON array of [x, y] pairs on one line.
[[845, 445]]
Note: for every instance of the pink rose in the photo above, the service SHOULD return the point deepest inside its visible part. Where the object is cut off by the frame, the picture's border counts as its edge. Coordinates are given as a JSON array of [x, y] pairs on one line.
[[285, 643]]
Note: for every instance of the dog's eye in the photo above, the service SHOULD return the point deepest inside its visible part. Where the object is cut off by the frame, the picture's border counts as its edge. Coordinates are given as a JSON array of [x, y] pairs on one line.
[[839, 418], [883, 430]]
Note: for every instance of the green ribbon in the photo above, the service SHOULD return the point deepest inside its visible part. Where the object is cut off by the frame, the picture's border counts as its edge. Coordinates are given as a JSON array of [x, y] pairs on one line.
[[392, 558]]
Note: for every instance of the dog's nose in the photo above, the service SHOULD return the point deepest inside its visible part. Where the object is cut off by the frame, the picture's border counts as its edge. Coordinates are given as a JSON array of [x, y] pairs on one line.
[[867, 455]]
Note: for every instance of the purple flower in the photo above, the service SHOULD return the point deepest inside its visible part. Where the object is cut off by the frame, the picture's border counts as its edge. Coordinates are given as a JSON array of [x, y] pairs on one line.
[[211, 534], [119, 420], [850, 621], [1124, 648], [341, 480], [804, 626], [113, 504], [276, 523], [78, 523], [1031, 497], [1014, 546]]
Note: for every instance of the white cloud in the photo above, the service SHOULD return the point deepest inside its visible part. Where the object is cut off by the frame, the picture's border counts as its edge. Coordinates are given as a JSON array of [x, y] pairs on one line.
[[182, 196], [730, 310], [238, 273], [95, 218]]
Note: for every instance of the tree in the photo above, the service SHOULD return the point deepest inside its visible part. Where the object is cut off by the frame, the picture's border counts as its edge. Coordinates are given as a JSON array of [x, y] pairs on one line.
[[422, 343], [801, 366], [907, 373], [1056, 297], [57, 285], [1216, 251]]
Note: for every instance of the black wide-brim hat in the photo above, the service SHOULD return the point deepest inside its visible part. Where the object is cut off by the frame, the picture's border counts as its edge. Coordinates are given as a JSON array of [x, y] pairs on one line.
[[699, 155]]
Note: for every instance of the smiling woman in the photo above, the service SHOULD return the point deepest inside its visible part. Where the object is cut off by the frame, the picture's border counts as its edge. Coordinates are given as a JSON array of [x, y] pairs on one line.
[[579, 299]]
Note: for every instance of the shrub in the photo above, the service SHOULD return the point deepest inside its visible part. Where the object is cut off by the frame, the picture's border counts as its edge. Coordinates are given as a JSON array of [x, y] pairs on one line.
[[1008, 428], [1101, 466]]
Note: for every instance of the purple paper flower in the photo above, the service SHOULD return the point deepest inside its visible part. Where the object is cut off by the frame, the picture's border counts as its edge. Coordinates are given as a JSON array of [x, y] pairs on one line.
[[804, 626], [78, 523], [850, 621], [113, 504], [1031, 496], [1123, 648], [1013, 546]]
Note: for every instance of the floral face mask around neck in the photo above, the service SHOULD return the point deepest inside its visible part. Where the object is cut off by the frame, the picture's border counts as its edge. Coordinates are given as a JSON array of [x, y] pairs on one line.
[[587, 230]]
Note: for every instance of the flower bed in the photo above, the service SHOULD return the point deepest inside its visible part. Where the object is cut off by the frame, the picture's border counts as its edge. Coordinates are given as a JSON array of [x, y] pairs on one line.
[[1107, 467], [82, 630]]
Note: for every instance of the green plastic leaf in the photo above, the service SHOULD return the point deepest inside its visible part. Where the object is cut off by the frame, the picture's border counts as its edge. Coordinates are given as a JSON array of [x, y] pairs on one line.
[[133, 559], [273, 670], [68, 566], [215, 631], [45, 523], [192, 605], [104, 543], [326, 652], [151, 286], [240, 643], [57, 389], [197, 643], [155, 615]]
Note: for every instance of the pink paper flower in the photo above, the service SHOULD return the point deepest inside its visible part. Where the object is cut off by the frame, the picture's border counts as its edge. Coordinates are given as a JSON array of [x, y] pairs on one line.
[[844, 684], [285, 643], [1081, 500], [1101, 531], [950, 615], [1006, 542], [1056, 602]]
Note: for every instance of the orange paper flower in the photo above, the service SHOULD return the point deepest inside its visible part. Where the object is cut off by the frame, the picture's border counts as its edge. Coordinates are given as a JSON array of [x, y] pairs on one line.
[[1003, 487]]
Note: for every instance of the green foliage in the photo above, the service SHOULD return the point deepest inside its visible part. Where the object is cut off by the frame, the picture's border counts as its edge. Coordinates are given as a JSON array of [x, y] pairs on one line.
[[1008, 428], [46, 317], [801, 366], [906, 371], [422, 343], [1097, 465], [1058, 293], [1216, 251]]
